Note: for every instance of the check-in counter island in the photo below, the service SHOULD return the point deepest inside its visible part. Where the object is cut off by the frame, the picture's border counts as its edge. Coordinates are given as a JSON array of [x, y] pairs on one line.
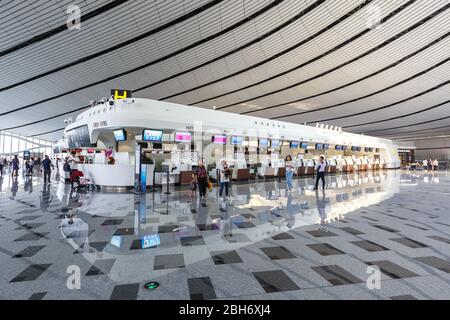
[[126, 142]]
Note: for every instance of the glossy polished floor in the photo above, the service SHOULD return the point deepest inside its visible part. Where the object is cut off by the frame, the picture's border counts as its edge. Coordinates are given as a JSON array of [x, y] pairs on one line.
[[261, 244]]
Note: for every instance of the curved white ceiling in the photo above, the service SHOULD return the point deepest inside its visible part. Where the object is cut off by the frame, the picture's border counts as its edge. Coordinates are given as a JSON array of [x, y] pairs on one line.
[[292, 60]]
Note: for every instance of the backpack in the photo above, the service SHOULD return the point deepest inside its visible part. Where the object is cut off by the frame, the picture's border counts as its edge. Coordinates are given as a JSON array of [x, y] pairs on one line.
[[66, 167]]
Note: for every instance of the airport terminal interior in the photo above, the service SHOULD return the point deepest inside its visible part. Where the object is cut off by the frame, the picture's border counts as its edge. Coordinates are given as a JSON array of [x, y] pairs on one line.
[[225, 150]]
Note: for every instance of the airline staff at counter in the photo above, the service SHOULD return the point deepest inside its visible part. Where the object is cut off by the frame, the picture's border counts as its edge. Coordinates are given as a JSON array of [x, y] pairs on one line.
[[105, 175]]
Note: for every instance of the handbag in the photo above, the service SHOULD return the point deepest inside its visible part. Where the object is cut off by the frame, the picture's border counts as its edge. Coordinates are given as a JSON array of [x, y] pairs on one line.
[[209, 186]]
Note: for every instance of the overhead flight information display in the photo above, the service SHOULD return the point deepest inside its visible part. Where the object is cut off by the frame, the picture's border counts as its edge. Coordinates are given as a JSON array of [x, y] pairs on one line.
[[79, 137]]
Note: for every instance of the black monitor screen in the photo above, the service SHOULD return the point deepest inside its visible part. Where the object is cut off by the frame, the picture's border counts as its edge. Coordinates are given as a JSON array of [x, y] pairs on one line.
[[263, 143], [275, 143], [237, 141], [294, 144], [120, 135], [338, 148], [319, 146], [354, 148], [326, 146], [79, 137], [304, 145], [149, 135]]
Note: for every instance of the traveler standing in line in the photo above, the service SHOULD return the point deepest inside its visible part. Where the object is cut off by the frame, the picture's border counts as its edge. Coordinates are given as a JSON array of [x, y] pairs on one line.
[[73, 161], [225, 176], [31, 166], [15, 166], [202, 179], [320, 173], [289, 164], [435, 164], [1, 168], [47, 166]]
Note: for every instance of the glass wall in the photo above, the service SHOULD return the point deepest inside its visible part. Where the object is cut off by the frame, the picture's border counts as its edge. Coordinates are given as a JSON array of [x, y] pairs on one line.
[[12, 144]]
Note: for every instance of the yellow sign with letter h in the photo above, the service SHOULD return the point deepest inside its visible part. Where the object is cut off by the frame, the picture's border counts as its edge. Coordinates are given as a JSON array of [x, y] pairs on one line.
[[121, 94]]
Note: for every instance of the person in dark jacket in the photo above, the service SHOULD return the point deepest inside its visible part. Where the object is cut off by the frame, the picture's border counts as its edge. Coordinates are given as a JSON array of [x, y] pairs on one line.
[[202, 178], [47, 166]]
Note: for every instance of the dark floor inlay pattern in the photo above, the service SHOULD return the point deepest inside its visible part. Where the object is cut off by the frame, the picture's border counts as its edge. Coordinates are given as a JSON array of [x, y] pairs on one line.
[[404, 297], [244, 224], [275, 281], [201, 289], [124, 232], [441, 239], [278, 253], [99, 246], [410, 243], [283, 236], [31, 273], [29, 252], [417, 227], [192, 241], [393, 270], [33, 236], [37, 296], [369, 246], [351, 231], [321, 233], [436, 262], [226, 257], [336, 275], [170, 261], [168, 228], [112, 222], [325, 249], [388, 229], [125, 292], [101, 267]]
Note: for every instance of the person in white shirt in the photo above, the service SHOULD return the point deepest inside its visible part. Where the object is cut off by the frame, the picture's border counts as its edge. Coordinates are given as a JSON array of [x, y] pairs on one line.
[[225, 176], [289, 173], [320, 167], [73, 161]]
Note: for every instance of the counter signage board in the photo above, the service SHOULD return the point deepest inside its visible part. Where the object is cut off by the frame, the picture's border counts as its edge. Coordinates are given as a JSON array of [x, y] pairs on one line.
[[137, 175], [121, 94], [143, 179]]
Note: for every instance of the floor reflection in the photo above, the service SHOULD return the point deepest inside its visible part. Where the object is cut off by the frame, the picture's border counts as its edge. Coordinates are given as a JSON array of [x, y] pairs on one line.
[[121, 225]]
